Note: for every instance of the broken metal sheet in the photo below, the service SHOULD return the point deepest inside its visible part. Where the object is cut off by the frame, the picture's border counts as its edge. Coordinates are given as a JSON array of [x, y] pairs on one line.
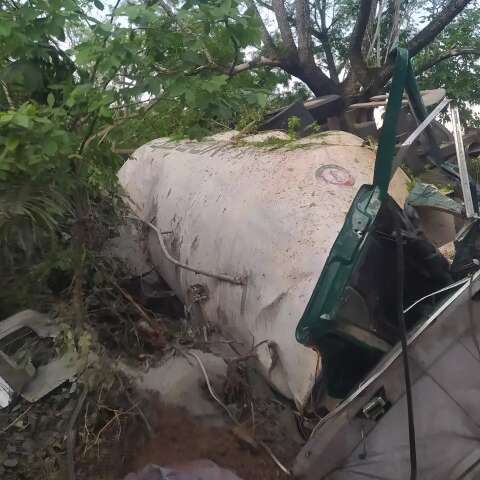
[[29, 382], [324, 107], [41, 324], [406, 145], [427, 195], [437, 213], [51, 376], [16, 376], [429, 97], [462, 163], [280, 120]]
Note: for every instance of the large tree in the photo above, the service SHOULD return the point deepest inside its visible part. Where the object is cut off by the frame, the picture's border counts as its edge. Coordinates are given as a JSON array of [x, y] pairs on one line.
[[332, 46]]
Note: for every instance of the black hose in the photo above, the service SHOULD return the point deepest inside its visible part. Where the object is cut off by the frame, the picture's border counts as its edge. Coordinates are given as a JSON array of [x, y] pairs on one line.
[[403, 339]]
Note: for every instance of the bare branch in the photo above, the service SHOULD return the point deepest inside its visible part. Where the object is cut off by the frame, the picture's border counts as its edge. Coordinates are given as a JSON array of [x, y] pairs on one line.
[[428, 34], [356, 55], [266, 37], [375, 43], [417, 43], [259, 61], [394, 29], [283, 25], [456, 52], [254, 63], [360, 28], [322, 36]]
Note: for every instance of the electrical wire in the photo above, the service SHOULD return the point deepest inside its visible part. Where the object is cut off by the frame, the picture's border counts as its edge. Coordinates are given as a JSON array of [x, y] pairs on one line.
[[436, 292], [232, 417], [237, 280], [403, 339]]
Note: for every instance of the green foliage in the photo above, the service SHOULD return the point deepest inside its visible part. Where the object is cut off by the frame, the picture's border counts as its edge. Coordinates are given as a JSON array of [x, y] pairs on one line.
[[293, 126], [74, 89], [459, 74]]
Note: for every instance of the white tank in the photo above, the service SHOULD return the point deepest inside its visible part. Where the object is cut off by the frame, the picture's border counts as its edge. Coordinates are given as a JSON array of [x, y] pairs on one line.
[[269, 213]]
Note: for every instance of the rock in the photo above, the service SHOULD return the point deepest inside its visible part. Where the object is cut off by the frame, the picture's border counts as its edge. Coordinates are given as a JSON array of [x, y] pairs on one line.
[[10, 463], [180, 383]]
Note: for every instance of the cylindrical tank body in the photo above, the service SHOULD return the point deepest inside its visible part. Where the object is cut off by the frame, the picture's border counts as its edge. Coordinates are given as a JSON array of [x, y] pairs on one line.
[[267, 210]]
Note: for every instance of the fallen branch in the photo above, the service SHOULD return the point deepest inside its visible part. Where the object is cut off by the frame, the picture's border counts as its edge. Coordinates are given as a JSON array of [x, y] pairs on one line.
[[116, 416], [219, 276], [128, 297]]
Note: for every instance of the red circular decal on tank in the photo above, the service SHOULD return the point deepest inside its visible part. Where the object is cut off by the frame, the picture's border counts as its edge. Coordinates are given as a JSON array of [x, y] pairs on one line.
[[335, 175]]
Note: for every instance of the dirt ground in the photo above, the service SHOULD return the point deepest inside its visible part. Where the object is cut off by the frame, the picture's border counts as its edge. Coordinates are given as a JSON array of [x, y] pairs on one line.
[[179, 440]]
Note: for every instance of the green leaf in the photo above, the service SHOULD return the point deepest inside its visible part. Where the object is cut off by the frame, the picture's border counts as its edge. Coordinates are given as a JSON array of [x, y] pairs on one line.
[[6, 118], [70, 102], [105, 112], [51, 99], [261, 99], [98, 4], [42, 120], [105, 27], [215, 83], [50, 147], [22, 120], [12, 143], [5, 29], [177, 88]]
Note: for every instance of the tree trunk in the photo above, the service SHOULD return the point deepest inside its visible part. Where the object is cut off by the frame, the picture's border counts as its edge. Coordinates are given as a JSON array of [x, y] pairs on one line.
[[314, 78]]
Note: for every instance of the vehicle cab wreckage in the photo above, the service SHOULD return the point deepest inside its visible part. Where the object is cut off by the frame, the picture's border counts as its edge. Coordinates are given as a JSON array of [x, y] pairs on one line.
[[387, 349]]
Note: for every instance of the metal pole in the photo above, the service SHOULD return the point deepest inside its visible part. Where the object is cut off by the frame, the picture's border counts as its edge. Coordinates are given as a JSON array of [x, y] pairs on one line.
[[415, 134], [462, 162]]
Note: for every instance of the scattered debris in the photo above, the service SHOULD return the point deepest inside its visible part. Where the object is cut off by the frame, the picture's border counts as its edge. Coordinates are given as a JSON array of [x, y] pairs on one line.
[[28, 365]]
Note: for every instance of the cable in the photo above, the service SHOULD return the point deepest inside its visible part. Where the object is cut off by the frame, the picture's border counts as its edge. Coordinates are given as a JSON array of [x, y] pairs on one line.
[[219, 276], [436, 292], [403, 338], [232, 417]]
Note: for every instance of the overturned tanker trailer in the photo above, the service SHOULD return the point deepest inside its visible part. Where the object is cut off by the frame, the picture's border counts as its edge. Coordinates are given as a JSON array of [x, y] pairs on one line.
[[263, 210]]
